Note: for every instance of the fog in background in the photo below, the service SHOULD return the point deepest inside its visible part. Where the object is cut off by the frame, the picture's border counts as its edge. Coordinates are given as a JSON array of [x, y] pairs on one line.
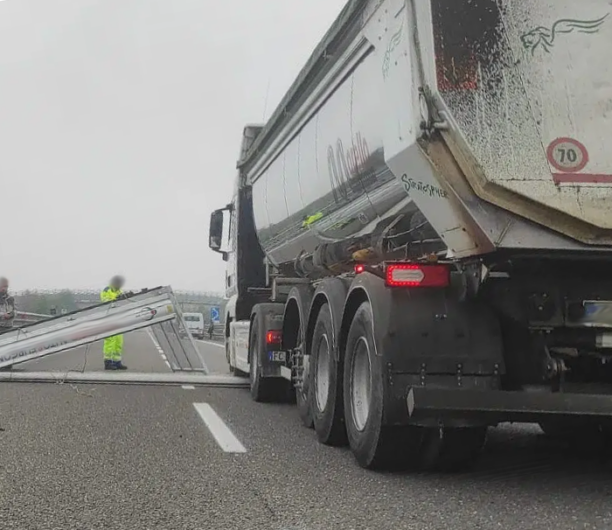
[[120, 125]]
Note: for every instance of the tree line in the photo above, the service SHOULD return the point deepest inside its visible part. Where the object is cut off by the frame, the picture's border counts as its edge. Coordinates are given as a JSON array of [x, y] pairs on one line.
[[46, 303]]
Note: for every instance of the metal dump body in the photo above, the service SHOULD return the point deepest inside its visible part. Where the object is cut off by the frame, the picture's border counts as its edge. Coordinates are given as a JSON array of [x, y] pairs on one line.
[[491, 117]]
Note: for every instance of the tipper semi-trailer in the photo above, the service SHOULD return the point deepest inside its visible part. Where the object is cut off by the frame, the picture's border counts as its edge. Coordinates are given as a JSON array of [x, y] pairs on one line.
[[419, 244]]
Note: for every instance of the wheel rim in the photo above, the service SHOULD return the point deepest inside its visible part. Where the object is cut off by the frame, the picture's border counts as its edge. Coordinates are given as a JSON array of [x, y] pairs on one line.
[[361, 383], [305, 374], [322, 373]]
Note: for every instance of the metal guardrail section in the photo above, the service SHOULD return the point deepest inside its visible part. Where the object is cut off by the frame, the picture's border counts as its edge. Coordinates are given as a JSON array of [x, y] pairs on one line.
[[126, 378], [154, 307], [43, 335], [177, 344], [22, 317]]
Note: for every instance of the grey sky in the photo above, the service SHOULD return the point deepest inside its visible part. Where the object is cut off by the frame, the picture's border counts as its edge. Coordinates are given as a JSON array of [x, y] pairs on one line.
[[120, 123]]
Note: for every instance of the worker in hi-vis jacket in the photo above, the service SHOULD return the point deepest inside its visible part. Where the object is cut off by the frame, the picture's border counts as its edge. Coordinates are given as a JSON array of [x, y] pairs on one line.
[[113, 346], [7, 307]]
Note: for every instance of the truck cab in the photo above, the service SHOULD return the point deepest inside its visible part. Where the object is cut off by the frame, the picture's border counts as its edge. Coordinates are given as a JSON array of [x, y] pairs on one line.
[[232, 234]]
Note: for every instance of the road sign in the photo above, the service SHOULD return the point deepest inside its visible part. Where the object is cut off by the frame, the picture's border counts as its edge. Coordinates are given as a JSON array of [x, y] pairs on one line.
[[567, 155], [214, 315]]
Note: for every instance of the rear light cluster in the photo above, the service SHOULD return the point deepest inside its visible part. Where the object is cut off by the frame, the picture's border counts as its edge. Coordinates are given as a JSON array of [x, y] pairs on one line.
[[274, 337], [416, 275], [412, 274]]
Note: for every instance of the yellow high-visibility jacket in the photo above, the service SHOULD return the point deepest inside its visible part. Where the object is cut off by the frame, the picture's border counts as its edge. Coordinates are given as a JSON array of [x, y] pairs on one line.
[[109, 294]]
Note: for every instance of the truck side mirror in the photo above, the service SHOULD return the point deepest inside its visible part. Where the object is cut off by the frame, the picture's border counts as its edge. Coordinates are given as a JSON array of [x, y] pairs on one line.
[[215, 234]]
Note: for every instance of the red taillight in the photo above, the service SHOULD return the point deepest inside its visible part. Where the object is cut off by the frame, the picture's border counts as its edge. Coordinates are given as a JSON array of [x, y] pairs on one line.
[[411, 275], [359, 268], [274, 337]]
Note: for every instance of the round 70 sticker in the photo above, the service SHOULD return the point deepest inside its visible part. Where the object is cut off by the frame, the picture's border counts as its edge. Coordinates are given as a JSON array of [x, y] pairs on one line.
[[567, 155]]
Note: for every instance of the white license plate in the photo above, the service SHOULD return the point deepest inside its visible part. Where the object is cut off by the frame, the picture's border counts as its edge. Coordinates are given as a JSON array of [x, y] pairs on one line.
[[277, 356]]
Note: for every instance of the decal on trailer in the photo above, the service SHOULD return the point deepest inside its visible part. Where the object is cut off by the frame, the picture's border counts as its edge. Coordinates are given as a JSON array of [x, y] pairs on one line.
[[545, 38]]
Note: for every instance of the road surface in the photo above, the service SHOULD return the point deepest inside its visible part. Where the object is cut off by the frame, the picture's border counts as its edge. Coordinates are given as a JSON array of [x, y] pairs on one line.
[[139, 457]]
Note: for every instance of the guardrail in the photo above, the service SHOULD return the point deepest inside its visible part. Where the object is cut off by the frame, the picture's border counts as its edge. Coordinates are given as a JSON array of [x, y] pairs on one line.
[[22, 317]]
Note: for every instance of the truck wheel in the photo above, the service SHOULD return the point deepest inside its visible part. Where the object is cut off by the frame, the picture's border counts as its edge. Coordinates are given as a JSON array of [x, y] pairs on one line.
[[325, 383], [262, 389], [232, 369], [302, 397], [376, 446], [373, 445]]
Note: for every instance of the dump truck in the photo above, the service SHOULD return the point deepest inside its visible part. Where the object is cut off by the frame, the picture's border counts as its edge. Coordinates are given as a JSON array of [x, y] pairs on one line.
[[419, 243]]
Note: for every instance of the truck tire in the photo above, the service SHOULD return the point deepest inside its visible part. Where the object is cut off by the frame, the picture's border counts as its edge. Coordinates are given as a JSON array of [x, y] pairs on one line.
[[376, 446], [326, 383], [302, 399], [227, 356], [373, 445], [262, 389], [232, 369]]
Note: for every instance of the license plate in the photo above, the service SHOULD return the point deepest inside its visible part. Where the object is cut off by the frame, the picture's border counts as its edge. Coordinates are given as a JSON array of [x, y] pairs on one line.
[[277, 356], [596, 313]]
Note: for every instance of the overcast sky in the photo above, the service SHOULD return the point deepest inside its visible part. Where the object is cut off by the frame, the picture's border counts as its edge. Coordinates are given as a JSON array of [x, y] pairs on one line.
[[120, 125]]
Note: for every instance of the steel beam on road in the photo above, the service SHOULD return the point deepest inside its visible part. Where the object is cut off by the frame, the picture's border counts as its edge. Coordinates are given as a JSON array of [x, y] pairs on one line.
[[125, 378]]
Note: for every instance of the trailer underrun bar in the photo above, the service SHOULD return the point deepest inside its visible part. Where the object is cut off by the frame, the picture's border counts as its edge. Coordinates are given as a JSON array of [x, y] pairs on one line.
[[498, 406]]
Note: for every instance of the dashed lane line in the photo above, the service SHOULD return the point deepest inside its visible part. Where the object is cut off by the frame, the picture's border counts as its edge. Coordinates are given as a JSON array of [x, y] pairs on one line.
[[220, 431], [158, 348]]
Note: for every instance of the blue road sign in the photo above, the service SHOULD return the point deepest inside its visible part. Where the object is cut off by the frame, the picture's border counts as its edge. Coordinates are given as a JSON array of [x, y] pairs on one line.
[[214, 315]]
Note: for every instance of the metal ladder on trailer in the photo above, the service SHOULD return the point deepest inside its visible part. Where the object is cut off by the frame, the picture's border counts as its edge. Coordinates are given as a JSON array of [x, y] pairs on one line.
[[156, 309]]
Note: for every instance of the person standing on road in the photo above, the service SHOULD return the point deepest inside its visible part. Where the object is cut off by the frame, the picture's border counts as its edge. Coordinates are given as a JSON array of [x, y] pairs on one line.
[[113, 346], [211, 330], [7, 307]]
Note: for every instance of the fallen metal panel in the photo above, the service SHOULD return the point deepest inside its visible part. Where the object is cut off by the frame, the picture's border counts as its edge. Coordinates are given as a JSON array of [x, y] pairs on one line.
[[82, 327], [125, 378], [175, 340]]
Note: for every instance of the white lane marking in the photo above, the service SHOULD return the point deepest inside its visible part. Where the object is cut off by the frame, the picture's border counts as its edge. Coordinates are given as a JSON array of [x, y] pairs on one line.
[[221, 432], [188, 387], [158, 348], [211, 343]]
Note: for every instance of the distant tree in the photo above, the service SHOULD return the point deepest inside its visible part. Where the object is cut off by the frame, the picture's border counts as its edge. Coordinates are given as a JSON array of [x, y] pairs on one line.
[[65, 300]]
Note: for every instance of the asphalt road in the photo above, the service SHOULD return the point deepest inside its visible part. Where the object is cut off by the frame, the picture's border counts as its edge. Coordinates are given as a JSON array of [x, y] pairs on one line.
[[139, 457]]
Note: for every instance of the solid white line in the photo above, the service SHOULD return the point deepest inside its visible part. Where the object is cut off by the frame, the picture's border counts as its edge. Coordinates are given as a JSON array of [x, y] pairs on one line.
[[188, 387], [221, 432], [211, 343]]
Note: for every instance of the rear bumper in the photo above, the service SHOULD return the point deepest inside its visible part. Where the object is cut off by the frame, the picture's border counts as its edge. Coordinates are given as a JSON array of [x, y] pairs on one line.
[[496, 406]]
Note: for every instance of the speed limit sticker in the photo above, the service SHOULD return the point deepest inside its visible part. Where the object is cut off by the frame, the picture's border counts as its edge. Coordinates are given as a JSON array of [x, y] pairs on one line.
[[567, 155]]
